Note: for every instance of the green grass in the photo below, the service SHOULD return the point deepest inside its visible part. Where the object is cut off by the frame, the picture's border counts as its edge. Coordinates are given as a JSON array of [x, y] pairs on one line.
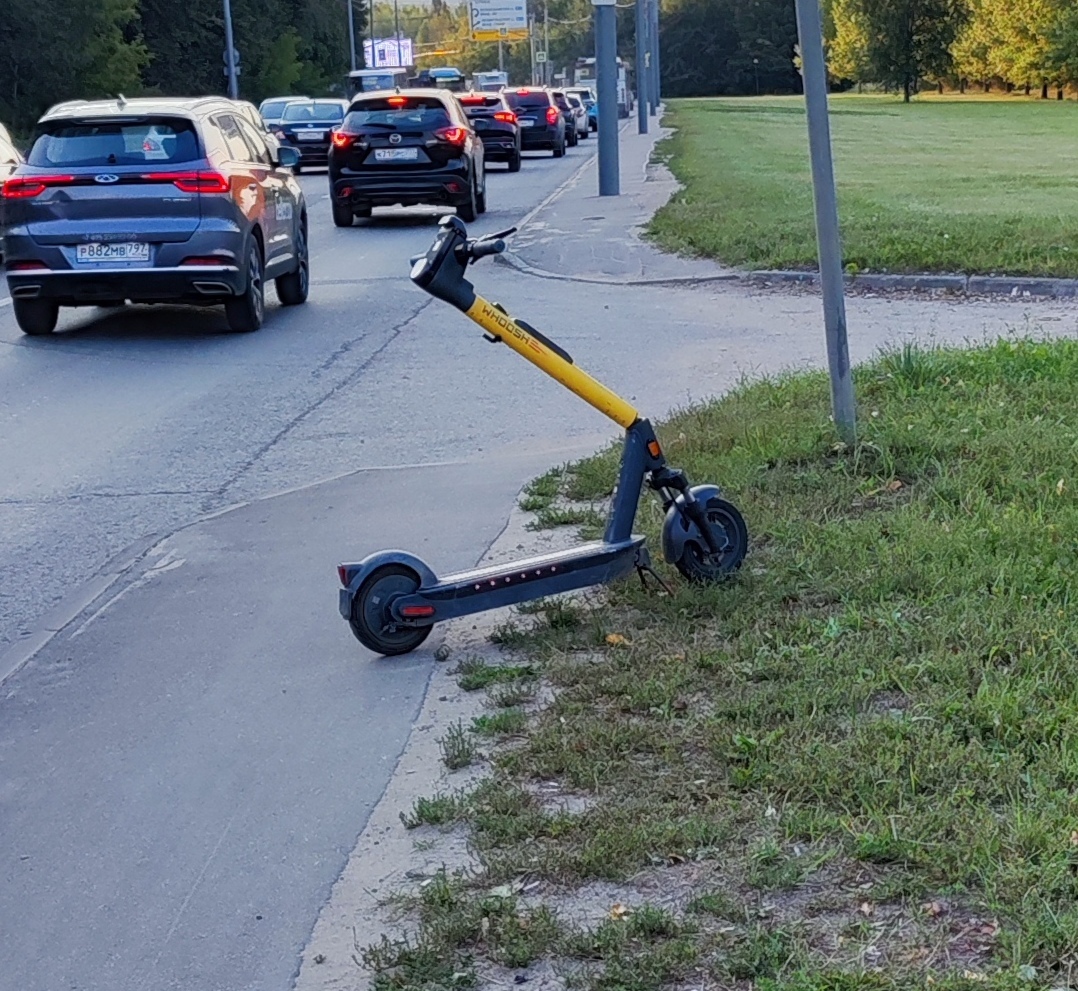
[[863, 751], [941, 185]]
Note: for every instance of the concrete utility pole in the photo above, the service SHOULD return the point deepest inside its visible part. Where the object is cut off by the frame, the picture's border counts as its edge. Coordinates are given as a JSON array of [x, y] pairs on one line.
[[351, 34], [642, 67], [827, 233], [230, 54], [501, 57], [531, 39], [606, 82]]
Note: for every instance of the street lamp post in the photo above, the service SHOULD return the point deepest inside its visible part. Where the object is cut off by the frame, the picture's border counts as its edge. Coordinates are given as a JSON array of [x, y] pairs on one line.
[[230, 54], [351, 34], [606, 82], [756, 70], [642, 67]]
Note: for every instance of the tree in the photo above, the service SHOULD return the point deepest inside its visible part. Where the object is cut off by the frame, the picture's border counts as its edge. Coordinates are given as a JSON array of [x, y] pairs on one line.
[[900, 42], [1063, 47]]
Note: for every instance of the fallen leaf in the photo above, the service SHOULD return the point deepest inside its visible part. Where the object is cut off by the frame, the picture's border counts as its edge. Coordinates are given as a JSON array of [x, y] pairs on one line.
[[617, 640], [619, 911], [503, 891], [867, 908], [933, 908], [894, 485], [1060, 486], [1074, 838], [972, 975]]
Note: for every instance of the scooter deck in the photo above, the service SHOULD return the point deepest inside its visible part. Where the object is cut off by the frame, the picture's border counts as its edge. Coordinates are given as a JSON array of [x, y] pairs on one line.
[[493, 587]]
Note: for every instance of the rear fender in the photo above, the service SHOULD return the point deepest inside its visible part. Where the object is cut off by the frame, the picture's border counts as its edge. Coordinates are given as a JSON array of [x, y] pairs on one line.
[[678, 530], [362, 569]]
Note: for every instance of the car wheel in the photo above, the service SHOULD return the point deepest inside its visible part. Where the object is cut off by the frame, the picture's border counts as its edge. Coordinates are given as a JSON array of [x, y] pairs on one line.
[[467, 211], [584, 133], [363, 211], [342, 214], [514, 162], [297, 169], [559, 149], [36, 317], [245, 312], [292, 289]]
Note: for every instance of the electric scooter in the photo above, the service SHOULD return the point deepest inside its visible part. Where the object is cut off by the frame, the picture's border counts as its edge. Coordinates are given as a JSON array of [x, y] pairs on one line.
[[392, 599]]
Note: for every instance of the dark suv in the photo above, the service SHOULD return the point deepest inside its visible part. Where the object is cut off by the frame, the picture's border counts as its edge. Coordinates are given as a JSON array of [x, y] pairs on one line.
[[542, 124], [406, 147], [152, 201], [496, 125], [306, 125]]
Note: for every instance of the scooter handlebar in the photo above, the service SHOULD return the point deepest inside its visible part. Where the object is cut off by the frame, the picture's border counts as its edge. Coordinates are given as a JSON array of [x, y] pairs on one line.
[[486, 246]]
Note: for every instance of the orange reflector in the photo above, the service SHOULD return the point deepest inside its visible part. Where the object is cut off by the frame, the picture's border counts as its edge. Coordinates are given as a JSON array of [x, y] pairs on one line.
[[417, 612], [653, 449]]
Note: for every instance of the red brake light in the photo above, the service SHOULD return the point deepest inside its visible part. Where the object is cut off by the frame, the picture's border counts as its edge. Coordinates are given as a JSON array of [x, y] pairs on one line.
[[192, 182], [397, 101], [552, 115], [27, 187], [342, 574], [204, 261], [341, 139], [473, 99], [522, 92], [507, 116], [453, 135]]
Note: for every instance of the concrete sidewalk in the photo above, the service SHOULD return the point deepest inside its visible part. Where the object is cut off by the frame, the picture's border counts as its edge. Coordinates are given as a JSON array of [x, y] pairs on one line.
[[577, 234]]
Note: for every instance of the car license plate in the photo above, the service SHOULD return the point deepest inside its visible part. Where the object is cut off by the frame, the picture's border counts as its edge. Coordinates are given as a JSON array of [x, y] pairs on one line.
[[310, 136], [526, 122], [396, 154], [128, 251]]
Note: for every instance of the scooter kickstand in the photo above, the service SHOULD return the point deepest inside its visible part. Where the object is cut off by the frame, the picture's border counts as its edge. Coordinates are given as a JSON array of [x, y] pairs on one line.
[[645, 569]]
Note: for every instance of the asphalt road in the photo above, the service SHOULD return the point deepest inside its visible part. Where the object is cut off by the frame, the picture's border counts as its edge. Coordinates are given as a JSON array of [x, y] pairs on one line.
[[185, 767]]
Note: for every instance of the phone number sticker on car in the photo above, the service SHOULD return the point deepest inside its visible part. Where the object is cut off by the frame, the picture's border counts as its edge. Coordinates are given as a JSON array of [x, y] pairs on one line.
[[126, 251]]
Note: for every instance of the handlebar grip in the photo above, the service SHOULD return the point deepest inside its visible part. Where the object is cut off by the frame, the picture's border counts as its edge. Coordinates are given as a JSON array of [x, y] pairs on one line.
[[481, 249]]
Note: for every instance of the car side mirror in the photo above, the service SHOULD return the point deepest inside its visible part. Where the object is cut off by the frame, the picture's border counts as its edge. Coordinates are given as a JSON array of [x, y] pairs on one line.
[[287, 158]]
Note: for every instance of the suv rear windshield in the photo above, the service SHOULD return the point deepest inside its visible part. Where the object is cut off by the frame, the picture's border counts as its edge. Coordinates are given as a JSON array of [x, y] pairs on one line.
[[274, 108], [560, 100], [312, 111], [527, 100], [393, 112], [114, 142]]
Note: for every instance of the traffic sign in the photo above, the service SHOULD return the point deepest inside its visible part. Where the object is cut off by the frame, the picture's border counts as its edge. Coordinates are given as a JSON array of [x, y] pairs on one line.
[[540, 56], [499, 20], [235, 56]]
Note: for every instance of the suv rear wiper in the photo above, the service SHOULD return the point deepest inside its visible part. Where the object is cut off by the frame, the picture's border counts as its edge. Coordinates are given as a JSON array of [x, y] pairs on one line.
[[379, 123]]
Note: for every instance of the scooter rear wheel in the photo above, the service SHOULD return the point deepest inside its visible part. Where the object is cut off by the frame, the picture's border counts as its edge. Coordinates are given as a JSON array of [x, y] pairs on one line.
[[729, 527], [371, 621]]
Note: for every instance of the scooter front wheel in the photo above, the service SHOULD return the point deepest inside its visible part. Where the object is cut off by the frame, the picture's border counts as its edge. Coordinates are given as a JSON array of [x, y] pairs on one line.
[[728, 526], [371, 621]]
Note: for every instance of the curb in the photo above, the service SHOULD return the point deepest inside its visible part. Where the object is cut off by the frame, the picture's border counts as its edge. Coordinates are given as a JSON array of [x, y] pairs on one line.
[[516, 262], [968, 284]]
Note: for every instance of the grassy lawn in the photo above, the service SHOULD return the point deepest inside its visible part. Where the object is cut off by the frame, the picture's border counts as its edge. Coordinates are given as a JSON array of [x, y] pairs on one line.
[[860, 757], [942, 185]]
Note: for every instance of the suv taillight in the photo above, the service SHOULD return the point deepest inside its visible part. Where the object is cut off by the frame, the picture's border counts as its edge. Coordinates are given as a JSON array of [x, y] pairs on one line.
[[452, 135], [507, 116], [192, 182], [552, 114], [341, 139], [27, 187]]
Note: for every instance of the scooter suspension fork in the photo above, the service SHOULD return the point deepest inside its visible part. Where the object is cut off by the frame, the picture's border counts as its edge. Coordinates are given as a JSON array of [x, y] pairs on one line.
[[666, 479]]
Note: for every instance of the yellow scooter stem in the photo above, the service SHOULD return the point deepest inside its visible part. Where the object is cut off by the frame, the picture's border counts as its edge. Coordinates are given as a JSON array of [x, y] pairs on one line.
[[544, 354]]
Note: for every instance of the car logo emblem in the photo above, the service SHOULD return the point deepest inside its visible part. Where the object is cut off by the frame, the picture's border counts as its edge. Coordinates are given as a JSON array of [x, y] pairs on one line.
[[106, 178], [394, 139]]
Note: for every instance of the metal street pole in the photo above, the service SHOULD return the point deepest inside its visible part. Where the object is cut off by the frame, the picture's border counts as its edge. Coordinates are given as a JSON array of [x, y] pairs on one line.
[[655, 89], [641, 67], [397, 28], [230, 54], [546, 42], [351, 34], [827, 233], [606, 82], [501, 57], [531, 39]]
